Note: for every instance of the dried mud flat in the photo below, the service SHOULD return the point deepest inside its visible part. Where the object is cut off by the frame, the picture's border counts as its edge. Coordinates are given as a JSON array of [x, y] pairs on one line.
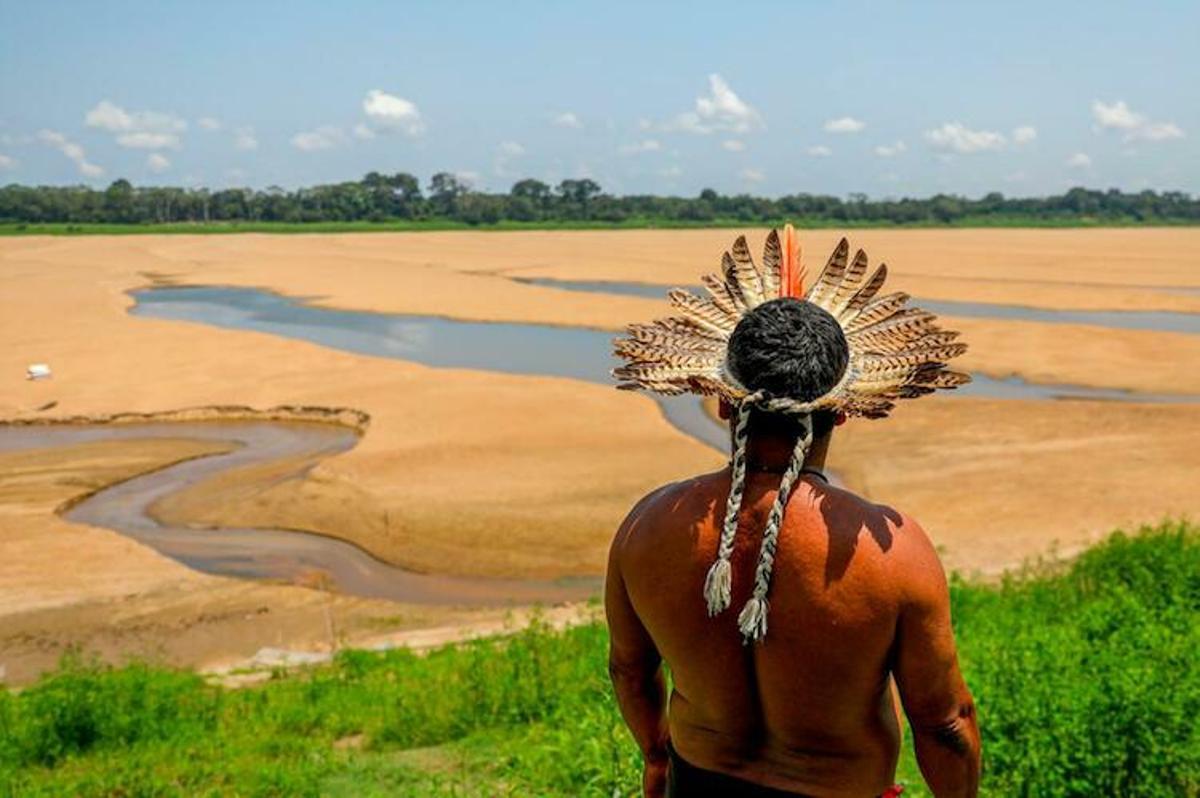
[[489, 474]]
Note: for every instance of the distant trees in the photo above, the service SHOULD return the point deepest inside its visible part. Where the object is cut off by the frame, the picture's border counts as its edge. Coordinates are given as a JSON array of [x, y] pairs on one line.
[[381, 197]]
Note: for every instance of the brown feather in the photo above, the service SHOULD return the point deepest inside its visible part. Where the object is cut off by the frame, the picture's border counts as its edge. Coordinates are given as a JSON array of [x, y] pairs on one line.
[[747, 273], [863, 295], [877, 310], [729, 271], [944, 378], [831, 275], [849, 285], [722, 296], [651, 372], [639, 352], [686, 326], [772, 260], [703, 311], [658, 336], [913, 319], [892, 344], [665, 388], [909, 358]]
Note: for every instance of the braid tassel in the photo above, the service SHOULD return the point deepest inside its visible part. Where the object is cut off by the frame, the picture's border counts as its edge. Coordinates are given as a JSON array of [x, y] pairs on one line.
[[718, 585], [753, 618]]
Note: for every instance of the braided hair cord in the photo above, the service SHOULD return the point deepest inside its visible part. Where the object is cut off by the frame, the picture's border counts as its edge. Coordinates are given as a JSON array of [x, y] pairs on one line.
[[753, 618], [718, 584]]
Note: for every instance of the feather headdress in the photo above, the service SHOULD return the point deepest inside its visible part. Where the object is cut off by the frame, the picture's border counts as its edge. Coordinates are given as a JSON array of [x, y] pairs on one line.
[[895, 352]]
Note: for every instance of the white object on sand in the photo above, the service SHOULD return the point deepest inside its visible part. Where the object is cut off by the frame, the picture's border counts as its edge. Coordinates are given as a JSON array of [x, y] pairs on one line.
[[37, 371]]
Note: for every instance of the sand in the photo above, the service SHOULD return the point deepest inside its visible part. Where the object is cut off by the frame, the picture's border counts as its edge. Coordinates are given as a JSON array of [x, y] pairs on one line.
[[481, 473], [996, 482]]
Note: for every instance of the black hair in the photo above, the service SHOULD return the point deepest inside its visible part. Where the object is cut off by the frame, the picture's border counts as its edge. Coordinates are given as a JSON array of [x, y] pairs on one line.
[[789, 348]]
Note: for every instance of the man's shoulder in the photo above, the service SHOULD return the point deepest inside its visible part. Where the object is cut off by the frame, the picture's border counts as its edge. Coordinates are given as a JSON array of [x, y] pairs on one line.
[[671, 492], [909, 554], [899, 537], [666, 499], [857, 511]]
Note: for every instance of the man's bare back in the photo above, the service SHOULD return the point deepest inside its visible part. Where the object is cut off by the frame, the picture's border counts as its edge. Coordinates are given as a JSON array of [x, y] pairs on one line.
[[858, 595], [853, 592]]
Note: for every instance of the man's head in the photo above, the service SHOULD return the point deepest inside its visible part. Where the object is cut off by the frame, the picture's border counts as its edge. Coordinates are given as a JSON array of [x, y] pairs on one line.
[[788, 348]]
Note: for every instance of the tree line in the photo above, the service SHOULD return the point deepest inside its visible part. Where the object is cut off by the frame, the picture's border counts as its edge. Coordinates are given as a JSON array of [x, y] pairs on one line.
[[446, 198]]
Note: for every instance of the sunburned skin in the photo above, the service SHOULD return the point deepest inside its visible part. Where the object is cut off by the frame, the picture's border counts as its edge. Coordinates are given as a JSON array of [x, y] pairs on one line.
[[858, 599]]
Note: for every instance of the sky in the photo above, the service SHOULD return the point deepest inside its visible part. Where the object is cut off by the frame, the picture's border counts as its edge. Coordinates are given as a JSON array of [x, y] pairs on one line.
[[888, 99]]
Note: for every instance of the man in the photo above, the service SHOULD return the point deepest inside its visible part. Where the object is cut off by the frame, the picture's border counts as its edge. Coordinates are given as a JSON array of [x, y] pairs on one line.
[[859, 611]]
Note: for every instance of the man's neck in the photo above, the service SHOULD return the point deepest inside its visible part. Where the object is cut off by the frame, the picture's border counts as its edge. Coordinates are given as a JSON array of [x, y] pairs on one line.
[[773, 453]]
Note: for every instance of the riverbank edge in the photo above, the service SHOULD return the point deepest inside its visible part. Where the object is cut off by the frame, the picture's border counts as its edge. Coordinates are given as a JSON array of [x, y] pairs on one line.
[[65, 229], [350, 417]]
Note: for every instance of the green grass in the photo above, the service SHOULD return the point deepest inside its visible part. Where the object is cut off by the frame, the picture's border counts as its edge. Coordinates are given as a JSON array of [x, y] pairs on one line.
[[1086, 676], [429, 225]]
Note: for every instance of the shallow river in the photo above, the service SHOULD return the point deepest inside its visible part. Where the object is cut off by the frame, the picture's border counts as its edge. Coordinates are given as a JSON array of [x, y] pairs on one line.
[[538, 349], [1156, 320]]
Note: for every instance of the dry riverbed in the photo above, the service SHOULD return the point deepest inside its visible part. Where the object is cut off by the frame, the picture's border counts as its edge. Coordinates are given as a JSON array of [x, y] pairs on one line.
[[504, 475]]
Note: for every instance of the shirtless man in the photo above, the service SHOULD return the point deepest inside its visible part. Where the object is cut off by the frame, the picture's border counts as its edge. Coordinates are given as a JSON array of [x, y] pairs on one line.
[[859, 610]]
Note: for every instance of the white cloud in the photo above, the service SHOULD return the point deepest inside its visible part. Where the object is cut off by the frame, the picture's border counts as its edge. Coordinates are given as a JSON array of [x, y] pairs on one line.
[[1158, 131], [890, 150], [468, 178], [1079, 160], [671, 171], [144, 130], [145, 140], [724, 104], [108, 116], [209, 123], [752, 175], [819, 151], [734, 145], [638, 147], [719, 110], [1024, 134], [72, 150], [1119, 116], [844, 124], [325, 137], [956, 137], [566, 119], [391, 113], [506, 152], [156, 162], [7, 162], [363, 131], [244, 139]]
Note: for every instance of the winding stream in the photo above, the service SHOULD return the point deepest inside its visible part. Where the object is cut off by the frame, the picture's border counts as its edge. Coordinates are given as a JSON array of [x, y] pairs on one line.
[[257, 553]]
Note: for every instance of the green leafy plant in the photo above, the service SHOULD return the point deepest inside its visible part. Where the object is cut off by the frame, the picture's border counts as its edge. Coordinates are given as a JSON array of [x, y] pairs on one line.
[[1085, 674]]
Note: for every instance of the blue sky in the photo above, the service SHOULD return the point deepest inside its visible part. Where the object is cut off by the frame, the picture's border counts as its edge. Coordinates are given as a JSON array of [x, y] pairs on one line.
[[889, 99]]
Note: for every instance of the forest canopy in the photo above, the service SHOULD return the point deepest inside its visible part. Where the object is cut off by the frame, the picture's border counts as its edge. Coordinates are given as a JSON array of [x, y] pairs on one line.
[[399, 197]]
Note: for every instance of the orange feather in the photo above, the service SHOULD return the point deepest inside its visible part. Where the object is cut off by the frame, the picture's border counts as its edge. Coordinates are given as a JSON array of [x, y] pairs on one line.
[[791, 283]]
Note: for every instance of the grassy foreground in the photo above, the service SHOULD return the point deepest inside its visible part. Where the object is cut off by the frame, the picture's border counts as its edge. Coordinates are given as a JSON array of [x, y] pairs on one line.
[[1087, 679]]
